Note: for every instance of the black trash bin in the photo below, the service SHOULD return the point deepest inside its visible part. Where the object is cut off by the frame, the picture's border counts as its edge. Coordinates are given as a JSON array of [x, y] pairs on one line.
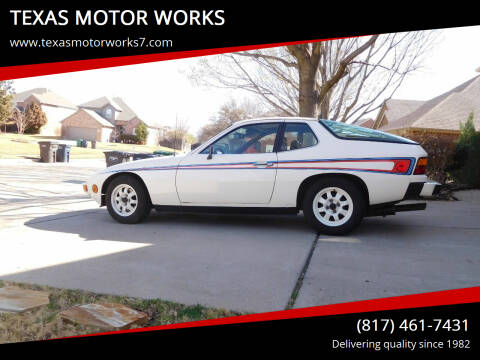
[[48, 151], [117, 157], [84, 143], [141, 156], [63, 153]]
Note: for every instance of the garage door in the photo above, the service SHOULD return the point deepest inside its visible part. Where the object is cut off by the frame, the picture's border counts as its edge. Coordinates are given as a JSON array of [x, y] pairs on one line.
[[75, 133]]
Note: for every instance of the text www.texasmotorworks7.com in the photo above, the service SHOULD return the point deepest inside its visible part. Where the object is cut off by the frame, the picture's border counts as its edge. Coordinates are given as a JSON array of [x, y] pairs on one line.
[[92, 43]]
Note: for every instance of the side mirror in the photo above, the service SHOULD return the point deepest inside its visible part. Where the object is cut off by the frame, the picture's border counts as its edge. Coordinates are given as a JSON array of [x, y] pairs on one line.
[[210, 153]]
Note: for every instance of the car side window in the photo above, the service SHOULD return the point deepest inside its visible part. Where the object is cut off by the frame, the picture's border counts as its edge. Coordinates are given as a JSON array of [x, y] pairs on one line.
[[248, 139], [297, 136]]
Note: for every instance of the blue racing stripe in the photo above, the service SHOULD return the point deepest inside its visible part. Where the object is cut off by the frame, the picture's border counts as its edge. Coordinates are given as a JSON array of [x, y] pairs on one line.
[[224, 166]]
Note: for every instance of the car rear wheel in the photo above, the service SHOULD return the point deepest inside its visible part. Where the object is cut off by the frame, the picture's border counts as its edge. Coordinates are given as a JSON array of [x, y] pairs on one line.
[[127, 200], [334, 206]]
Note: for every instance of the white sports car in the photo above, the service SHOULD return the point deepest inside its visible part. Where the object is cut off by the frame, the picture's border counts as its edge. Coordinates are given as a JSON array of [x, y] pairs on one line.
[[335, 173]]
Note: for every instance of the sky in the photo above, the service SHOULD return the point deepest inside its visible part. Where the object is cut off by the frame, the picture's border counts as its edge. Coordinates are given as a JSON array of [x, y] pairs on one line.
[[452, 61], [161, 91]]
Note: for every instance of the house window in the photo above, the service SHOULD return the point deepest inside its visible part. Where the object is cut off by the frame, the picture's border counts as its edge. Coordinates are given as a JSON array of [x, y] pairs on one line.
[[108, 113]]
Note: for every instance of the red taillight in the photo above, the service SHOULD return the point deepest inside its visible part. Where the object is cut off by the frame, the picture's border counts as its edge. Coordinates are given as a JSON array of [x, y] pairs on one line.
[[421, 167], [401, 166]]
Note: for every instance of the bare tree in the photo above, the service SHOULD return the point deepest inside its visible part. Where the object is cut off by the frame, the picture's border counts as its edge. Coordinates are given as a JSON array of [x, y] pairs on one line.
[[341, 79], [21, 120], [176, 137], [229, 113]]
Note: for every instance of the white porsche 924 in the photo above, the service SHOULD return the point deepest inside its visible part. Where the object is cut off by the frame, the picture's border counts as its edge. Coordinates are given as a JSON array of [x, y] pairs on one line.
[[335, 173]]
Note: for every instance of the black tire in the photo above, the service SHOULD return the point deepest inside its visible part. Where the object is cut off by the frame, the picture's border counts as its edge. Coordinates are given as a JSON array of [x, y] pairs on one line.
[[350, 221], [143, 205]]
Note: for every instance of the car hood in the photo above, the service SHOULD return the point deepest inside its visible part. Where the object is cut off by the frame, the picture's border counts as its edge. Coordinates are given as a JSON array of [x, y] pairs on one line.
[[161, 161]]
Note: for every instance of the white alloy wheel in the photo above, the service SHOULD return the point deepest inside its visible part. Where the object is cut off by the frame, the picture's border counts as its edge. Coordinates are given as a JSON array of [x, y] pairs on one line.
[[124, 200], [332, 206]]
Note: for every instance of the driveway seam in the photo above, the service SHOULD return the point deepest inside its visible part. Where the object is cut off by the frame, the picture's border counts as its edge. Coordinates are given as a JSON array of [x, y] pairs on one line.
[[299, 283]]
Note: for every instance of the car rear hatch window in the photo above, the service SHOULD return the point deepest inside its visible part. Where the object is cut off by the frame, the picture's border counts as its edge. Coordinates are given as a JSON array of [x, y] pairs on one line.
[[354, 132]]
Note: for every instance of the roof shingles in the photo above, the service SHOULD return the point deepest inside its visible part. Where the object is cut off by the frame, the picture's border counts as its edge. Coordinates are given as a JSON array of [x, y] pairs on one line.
[[100, 103], [445, 111], [44, 96]]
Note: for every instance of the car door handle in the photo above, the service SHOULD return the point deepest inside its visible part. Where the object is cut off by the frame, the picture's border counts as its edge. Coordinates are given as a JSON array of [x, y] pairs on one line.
[[263, 163]]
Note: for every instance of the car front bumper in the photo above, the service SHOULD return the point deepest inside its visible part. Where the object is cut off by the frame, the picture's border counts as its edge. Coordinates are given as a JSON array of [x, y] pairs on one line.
[[98, 180]]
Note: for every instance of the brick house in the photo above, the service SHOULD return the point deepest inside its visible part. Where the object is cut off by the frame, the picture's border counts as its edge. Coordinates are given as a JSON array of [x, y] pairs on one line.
[[440, 115], [102, 119], [367, 123], [88, 125], [111, 117], [127, 121], [55, 107]]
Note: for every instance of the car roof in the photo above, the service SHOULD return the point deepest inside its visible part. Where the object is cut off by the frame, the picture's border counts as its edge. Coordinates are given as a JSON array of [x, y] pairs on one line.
[[277, 118]]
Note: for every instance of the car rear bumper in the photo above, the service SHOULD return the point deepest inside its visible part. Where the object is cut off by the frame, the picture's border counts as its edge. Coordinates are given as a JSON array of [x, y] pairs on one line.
[[418, 190], [430, 188], [392, 209], [415, 191]]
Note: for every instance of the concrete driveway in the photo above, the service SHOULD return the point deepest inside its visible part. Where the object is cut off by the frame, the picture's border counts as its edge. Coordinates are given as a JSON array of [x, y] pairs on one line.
[[422, 251], [30, 190], [52, 234], [56, 236]]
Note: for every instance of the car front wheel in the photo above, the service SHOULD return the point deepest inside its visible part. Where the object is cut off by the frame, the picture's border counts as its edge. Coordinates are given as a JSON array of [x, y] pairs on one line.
[[334, 206], [127, 200]]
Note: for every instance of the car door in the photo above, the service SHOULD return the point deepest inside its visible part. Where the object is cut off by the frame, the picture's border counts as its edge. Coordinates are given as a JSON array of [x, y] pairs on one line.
[[296, 150], [241, 168]]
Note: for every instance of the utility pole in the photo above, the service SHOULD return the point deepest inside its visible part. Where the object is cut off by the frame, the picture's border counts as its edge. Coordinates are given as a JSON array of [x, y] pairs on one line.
[[175, 136]]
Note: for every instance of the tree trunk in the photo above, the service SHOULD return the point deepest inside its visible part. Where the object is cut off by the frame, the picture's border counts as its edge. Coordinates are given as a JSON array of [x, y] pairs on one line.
[[307, 100], [325, 108]]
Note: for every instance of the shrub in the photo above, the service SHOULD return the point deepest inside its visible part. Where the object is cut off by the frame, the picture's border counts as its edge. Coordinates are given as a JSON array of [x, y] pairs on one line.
[[459, 157], [128, 139], [141, 133], [466, 165], [440, 149], [35, 118]]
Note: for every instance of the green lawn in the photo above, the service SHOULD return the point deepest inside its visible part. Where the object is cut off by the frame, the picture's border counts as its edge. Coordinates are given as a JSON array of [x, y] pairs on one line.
[[15, 146]]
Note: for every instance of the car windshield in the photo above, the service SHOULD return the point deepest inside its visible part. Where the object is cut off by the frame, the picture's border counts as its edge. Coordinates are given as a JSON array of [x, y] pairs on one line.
[[354, 132]]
